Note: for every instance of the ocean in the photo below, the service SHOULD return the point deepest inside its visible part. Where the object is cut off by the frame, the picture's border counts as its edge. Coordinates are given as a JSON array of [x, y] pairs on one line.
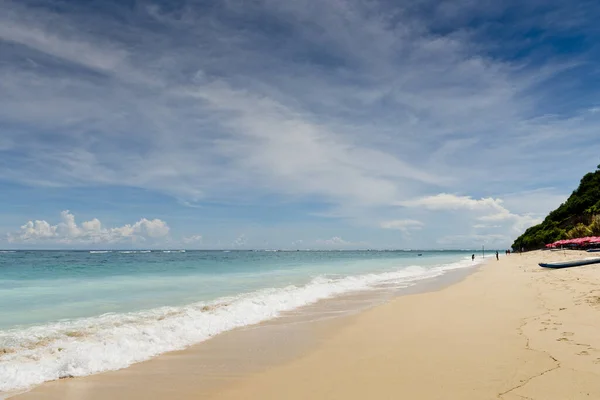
[[76, 313]]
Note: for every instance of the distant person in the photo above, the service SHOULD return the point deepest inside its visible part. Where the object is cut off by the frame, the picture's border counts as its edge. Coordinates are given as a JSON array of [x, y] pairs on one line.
[[497, 255], [473, 257]]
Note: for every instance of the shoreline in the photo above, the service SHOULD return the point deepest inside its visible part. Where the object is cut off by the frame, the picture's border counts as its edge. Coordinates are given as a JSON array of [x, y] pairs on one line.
[[510, 330], [271, 343]]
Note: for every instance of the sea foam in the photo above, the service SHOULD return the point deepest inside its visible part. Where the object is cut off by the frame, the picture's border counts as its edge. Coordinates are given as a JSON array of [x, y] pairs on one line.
[[113, 341]]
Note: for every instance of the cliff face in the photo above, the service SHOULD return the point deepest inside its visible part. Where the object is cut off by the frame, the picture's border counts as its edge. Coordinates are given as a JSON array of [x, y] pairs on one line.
[[579, 216]]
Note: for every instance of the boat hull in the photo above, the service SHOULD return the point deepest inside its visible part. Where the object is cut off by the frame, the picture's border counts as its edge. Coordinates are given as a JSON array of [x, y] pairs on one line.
[[568, 264]]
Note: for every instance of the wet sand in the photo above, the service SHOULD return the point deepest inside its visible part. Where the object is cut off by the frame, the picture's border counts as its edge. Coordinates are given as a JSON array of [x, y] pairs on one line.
[[511, 330]]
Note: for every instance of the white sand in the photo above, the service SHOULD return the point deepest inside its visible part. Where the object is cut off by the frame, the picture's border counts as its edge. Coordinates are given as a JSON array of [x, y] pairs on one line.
[[510, 331]]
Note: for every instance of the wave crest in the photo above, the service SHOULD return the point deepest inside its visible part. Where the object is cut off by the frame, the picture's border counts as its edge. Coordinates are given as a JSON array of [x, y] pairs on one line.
[[113, 341]]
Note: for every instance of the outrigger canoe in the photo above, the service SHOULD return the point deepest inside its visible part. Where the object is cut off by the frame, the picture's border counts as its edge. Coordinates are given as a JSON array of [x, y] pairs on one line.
[[593, 250], [574, 263]]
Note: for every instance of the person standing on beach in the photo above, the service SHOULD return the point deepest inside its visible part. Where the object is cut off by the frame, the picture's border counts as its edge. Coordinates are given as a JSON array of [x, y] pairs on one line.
[[473, 257], [497, 255]]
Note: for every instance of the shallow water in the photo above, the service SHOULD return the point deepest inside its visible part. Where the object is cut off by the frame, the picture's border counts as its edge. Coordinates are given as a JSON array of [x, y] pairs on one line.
[[73, 313]]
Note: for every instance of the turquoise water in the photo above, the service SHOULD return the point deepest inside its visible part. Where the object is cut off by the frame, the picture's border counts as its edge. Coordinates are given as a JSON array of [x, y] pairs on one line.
[[73, 313]]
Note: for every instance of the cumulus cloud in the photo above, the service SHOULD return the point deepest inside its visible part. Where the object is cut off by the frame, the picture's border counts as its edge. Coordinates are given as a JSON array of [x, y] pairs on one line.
[[89, 232]]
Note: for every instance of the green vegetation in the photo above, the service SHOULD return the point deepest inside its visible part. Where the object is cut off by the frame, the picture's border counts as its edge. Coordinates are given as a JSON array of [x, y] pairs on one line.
[[579, 216]]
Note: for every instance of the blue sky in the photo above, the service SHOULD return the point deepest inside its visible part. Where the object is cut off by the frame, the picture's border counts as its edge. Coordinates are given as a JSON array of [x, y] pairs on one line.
[[305, 124]]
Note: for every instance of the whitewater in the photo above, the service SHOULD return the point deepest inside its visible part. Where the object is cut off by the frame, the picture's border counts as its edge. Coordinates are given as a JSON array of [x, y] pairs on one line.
[[69, 314]]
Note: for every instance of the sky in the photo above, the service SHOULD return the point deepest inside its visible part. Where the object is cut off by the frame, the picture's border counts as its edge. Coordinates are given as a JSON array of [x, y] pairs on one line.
[[329, 124]]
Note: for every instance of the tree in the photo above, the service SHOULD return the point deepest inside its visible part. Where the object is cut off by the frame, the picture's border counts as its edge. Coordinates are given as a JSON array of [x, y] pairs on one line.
[[595, 225], [580, 230], [576, 217]]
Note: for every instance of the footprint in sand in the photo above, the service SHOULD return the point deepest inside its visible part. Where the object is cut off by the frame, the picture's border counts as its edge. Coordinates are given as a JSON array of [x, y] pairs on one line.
[[594, 300], [562, 339], [567, 334], [583, 353]]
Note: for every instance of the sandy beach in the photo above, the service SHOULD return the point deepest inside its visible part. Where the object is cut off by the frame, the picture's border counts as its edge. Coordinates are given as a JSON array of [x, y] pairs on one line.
[[511, 330]]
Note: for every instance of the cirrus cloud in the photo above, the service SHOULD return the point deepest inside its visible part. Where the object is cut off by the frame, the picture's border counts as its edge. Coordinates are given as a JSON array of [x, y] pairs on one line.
[[350, 106]]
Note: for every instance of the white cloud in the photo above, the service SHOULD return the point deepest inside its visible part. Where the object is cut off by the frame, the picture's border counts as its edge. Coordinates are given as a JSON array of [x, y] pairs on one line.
[[402, 224], [34, 230], [500, 216], [485, 209], [92, 225], [21, 32], [446, 201], [192, 106], [522, 222], [240, 241], [537, 202], [90, 232], [296, 129], [192, 239], [302, 157], [336, 240]]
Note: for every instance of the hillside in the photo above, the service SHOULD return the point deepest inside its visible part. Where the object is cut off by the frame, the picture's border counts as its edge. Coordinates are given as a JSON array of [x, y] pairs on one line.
[[579, 216]]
